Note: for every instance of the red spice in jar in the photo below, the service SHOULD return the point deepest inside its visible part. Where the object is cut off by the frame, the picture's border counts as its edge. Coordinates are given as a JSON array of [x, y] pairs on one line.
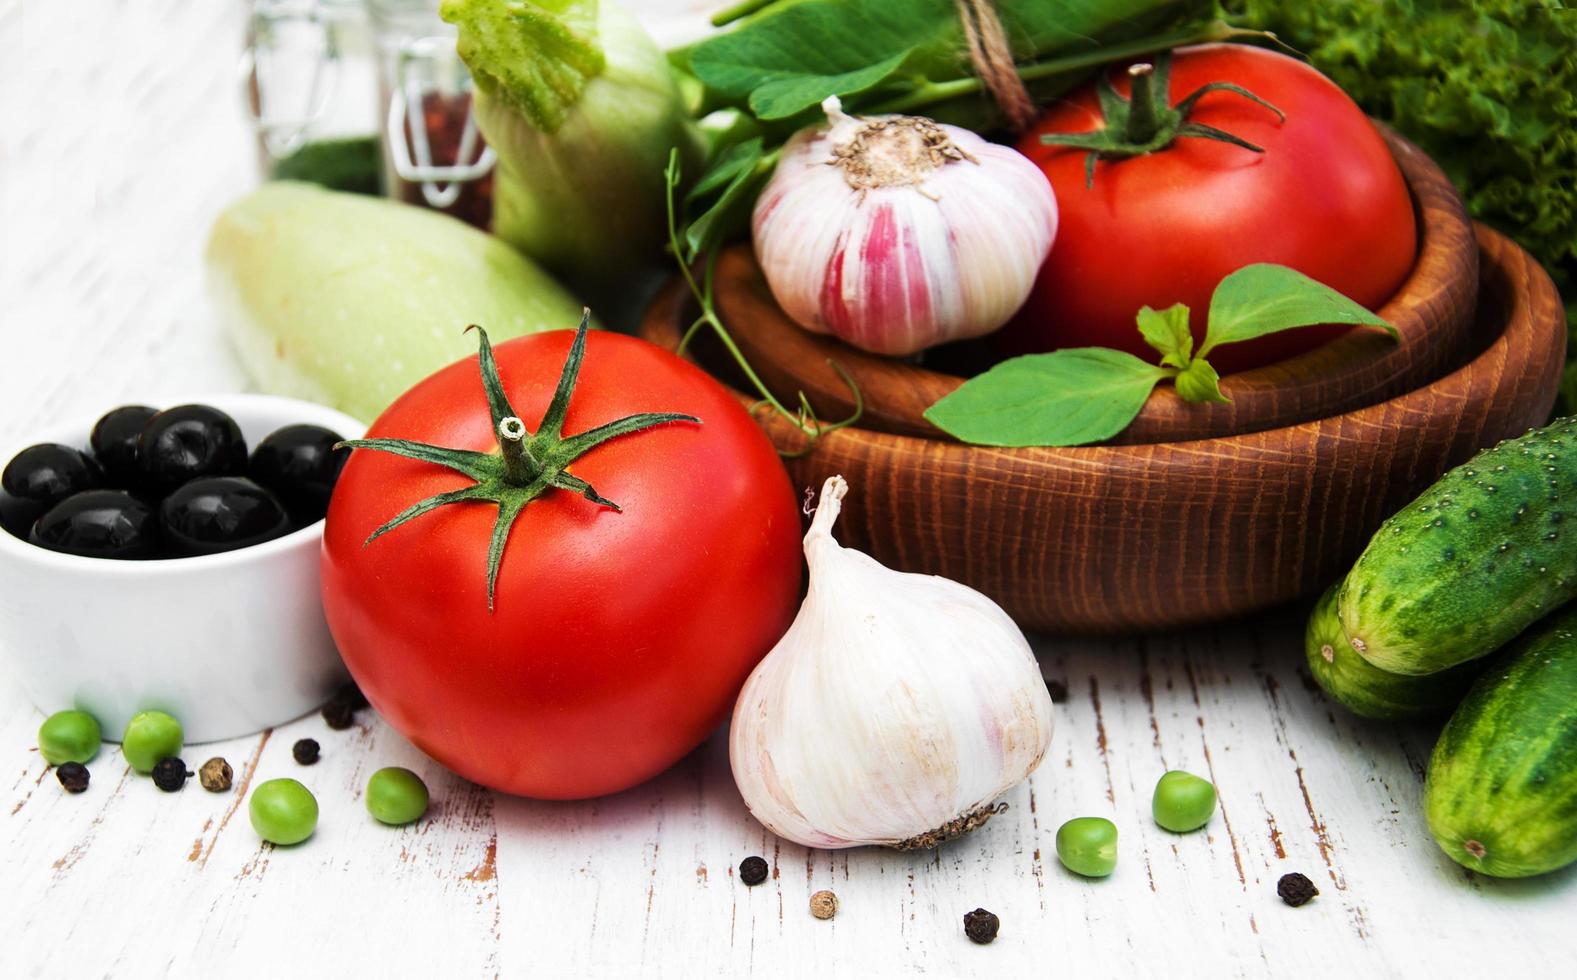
[[444, 115]]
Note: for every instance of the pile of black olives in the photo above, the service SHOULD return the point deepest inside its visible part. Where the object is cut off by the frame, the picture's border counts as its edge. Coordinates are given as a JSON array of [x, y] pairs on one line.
[[169, 484]]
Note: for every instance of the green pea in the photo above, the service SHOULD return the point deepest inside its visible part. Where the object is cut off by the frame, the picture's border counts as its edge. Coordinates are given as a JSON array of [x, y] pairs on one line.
[[1183, 801], [150, 737], [1088, 846], [396, 796], [69, 736], [283, 811]]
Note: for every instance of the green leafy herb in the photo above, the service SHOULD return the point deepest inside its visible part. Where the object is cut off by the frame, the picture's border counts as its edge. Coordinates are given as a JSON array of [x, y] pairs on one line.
[[729, 186], [1087, 394], [1265, 298], [1167, 331], [1066, 398], [1199, 382]]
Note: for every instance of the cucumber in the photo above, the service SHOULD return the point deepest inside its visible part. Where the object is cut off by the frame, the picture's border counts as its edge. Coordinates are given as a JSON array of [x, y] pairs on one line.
[[1501, 794], [353, 164], [1368, 691], [1475, 560]]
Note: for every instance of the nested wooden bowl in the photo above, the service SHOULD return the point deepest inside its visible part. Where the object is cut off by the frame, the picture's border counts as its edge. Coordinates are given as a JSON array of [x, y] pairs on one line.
[[1432, 312], [1135, 537]]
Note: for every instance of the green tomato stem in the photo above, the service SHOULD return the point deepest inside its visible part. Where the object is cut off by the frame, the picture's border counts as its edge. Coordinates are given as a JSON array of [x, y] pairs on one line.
[[520, 467], [1143, 121]]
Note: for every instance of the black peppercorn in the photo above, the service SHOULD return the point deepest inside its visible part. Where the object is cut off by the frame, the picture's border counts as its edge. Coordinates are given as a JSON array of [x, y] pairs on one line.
[[305, 751], [349, 694], [981, 926], [73, 776], [170, 774], [338, 715], [1295, 889], [753, 870], [1058, 691]]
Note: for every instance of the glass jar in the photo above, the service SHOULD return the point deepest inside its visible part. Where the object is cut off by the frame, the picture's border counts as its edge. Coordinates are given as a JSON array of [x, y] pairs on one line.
[[310, 82], [434, 155]]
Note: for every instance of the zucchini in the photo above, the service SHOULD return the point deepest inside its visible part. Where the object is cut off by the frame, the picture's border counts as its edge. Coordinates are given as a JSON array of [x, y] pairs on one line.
[[1501, 794], [1475, 560], [1368, 691]]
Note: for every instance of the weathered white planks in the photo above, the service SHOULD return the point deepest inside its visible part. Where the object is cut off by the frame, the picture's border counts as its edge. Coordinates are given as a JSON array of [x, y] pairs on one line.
[[645, 882], [119, 138]]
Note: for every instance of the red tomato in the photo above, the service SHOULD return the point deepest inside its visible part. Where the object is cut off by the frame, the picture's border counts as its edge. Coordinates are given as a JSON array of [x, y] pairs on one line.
[[1325, 198], [619, 640]]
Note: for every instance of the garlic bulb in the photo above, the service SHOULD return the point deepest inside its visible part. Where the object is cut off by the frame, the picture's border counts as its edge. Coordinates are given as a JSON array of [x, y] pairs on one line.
[[894, 711], [896, 233]]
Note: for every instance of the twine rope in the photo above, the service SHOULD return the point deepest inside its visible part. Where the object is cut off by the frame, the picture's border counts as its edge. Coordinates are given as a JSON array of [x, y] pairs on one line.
[[992, 58]]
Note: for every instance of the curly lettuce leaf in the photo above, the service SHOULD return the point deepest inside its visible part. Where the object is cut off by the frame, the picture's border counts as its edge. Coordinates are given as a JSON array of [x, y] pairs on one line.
[[1487, 87]]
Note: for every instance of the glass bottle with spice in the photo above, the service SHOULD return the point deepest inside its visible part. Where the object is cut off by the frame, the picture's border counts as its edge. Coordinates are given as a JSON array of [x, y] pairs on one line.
[[434, 154], [310, 82]]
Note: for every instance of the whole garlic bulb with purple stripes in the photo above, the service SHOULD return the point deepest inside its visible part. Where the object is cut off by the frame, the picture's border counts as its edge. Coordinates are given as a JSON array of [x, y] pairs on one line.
[[896, 233]]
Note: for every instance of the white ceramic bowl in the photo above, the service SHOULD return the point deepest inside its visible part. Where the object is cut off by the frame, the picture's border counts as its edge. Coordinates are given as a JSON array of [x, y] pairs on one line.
[[229, 644]]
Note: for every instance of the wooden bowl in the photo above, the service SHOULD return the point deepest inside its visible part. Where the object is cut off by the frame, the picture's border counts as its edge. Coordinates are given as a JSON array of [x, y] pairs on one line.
[[1141, 537], [1432, 311]]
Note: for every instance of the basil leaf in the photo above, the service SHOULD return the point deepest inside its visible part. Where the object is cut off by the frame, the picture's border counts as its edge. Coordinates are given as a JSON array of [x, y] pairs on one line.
[[1264, 298], [1199, 382], [784, 97], [792, 59], [1065, 398], [728, 165], [1167, 331], [740, 176]]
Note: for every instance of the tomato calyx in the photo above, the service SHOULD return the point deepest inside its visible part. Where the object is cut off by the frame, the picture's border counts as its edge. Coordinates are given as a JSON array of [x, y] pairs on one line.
[[1147, 121], [527, 465]]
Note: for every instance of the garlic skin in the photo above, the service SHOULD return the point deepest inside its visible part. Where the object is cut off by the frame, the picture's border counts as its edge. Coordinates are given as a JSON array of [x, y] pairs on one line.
[[894, 711], [896, 233]]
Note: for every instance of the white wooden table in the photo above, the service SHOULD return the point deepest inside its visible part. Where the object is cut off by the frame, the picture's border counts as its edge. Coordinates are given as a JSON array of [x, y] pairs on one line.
[[120, 137]]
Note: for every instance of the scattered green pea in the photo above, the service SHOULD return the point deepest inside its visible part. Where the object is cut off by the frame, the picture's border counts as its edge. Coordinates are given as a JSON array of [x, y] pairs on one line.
[[283, 811], [150, 736], [69, 736], [1183, 801], [1088, 846], [396, 796]]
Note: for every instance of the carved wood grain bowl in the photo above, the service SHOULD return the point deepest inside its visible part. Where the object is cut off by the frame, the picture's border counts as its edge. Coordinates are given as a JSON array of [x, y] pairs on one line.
[[1432, 312], [1139, 537]]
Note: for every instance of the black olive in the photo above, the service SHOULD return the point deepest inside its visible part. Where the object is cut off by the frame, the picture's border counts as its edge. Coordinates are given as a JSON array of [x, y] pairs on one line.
[[99, 524], [300, 464], [49, 473], [114, 443], [187, 442], [220, 513], [17, 514]]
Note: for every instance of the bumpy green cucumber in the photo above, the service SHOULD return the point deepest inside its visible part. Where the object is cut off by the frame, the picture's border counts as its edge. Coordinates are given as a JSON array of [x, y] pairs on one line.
[[1368, 691], [1501, 795], [1471, 563]]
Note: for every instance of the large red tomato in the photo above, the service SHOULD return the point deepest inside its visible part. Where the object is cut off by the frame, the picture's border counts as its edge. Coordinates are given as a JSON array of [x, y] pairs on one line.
[[1325, 197], [619, 639]]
